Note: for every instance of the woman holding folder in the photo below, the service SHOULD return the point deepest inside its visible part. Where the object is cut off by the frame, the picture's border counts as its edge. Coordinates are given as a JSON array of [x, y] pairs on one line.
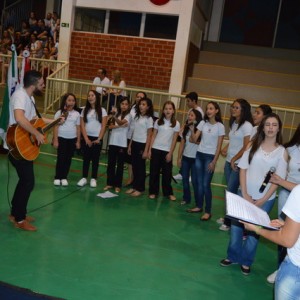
[[263, 154], [287, 284]]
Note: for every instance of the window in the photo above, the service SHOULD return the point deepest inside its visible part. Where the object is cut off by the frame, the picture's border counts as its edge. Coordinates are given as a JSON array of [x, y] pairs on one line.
[[124, 23], [161, 26], [88, 19]]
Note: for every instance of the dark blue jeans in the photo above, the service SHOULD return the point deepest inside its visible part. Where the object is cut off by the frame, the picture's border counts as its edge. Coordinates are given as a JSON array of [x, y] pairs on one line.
[[204, 177], [233, 182], [188, 167]]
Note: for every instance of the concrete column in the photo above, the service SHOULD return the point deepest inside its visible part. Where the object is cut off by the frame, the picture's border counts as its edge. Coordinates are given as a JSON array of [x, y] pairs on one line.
[[182, 47], [216, 21], [66, 27]]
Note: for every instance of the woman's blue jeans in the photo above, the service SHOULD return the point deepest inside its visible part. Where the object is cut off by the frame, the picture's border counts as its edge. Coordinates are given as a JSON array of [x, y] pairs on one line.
[[204, 177], [240, 251], [233, 182], [187, 168], [287, 284], [232, 178]]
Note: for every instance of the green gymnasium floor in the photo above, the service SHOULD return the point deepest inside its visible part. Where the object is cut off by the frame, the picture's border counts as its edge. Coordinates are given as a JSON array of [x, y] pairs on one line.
[[120, 248]]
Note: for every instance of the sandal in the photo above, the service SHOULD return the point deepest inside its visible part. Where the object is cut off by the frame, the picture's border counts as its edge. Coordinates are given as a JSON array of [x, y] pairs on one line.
[[206, 217], [130, 191], [194, 210], [136, 194], [107, 188], [172, 198]]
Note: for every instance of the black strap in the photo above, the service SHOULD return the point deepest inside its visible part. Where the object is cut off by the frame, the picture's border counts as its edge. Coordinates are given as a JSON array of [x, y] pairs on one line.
[[36, 110]]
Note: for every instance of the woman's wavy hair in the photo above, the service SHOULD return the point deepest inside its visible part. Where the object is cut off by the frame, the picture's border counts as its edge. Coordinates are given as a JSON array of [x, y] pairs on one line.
[[260, 135], [199, 118], [123, 113], [162, 116], [245, 113], [98, 107], [149, 112]]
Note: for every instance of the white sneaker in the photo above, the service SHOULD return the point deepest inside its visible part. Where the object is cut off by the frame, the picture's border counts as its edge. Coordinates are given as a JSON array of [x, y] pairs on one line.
[[64, 182], [271, 278], [178, 177], [220, 221], [56, 182], [82, 182], [93, 183], [224, 227]]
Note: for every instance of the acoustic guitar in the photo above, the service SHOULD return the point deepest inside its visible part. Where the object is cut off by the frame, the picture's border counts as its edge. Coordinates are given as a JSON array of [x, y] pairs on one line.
[[22, 144]]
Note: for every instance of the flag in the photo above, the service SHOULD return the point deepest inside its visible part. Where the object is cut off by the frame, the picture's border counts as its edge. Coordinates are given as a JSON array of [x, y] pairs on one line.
[[12, 83]]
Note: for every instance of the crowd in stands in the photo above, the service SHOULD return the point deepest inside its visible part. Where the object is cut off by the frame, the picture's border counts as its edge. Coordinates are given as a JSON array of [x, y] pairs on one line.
[[37, 35]]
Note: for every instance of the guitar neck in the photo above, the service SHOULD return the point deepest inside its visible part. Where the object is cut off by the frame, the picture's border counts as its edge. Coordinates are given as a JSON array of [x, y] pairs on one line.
[[50, 125]]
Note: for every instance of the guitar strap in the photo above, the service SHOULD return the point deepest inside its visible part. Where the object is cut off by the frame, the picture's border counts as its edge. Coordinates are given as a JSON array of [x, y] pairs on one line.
[[36, 110]]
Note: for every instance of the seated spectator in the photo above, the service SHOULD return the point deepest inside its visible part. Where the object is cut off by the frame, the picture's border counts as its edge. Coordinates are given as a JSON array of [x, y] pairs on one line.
[[11, 31], [42, 31], [4, 63], [36, 47], [56, 31], [32, 19], [25, 33], [116, 92], [18, 42], [101, 79], [6, 39], [53, 22], [45, 68], [48, 20]]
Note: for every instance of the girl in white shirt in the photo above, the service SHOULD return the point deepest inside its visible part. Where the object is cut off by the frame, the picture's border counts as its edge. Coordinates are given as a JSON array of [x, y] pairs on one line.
[[66, 137], [240, 124], [139, 145], [187, 155], [260, 112], [118, 144], [139, 96], [293, 178], [263, 153], [163, 141], [212, 132], [93, 124]]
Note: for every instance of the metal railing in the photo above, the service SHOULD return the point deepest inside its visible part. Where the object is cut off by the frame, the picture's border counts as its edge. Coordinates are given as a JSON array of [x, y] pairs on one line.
[[56, 87], [57, 84]]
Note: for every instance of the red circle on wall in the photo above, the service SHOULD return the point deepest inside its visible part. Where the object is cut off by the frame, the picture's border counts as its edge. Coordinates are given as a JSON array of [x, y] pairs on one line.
[[159, 2]]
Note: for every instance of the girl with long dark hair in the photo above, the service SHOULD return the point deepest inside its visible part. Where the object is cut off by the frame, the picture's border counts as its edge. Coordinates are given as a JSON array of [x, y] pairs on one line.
[[93, 124]]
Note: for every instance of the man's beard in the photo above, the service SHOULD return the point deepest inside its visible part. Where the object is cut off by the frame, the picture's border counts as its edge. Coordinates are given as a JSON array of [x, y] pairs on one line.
[[38, 92]]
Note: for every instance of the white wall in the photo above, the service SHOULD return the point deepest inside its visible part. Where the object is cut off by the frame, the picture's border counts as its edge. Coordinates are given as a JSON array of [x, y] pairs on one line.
[[172, 7]]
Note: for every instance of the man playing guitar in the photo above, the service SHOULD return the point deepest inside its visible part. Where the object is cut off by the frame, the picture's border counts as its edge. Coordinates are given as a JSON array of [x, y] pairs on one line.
[[22, 110]]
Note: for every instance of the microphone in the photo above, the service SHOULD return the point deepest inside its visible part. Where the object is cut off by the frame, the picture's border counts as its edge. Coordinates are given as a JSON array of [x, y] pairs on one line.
[[190, 124], [267, 179]]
